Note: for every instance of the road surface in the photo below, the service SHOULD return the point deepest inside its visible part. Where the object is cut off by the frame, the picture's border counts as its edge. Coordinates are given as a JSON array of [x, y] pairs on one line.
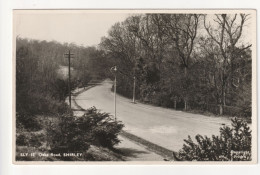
[[164, 127]]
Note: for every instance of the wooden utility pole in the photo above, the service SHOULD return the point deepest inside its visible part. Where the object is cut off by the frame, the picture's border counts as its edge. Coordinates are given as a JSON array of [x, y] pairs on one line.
[[113, 70], [115, 94], [69, 55]]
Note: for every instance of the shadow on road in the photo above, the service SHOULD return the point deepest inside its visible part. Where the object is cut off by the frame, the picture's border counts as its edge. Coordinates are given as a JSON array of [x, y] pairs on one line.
[[129, 152]]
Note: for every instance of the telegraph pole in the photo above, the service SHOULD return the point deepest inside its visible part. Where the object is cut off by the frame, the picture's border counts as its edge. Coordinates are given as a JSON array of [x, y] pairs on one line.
[[113, 70], [69, 55], [115, 93]]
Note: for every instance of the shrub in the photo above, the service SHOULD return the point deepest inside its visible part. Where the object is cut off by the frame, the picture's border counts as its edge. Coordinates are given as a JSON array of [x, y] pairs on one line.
[[231, 143], [246, 110], [22, 140], [162, 99], [28, 122], [36, 140], [78, 133], [44, 103], [30, 139], [104, 129]]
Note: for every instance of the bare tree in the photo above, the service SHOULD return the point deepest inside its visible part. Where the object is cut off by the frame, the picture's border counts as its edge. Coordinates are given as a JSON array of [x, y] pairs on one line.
[[182, 31], [228, 31]]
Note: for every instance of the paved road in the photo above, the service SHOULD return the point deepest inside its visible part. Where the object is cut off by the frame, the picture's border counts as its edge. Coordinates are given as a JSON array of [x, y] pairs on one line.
[[165, 127]]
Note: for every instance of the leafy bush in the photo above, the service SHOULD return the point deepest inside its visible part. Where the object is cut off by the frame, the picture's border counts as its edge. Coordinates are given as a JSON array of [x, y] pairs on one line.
[[247, 110], [44, 103], [28, 122], [232, 144], [162, 99], [30, 139], [78, 133], [36, 140], [22, 140]]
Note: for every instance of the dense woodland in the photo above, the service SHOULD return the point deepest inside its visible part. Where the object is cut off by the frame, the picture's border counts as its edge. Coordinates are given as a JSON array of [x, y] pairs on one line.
[[40, 85], [184, 61]]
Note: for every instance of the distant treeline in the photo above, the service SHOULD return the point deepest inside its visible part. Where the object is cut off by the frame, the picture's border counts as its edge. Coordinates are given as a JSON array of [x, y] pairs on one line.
[[184, 61], [40, 87]]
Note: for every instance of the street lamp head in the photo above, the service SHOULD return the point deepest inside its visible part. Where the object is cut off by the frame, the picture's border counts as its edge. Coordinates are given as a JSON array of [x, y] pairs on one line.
[[113, 69]]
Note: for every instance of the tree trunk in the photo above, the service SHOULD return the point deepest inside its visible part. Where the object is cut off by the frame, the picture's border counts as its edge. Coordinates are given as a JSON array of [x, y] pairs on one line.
[[220, 109], [185, 99], [224, 97], [185, 71], [223, 100]]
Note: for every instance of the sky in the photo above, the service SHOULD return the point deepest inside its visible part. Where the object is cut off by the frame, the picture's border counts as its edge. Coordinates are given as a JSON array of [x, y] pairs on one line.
[[82, 27], [72, 27]]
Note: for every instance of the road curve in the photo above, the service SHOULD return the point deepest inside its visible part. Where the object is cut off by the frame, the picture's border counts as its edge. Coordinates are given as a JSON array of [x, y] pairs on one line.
[[164, 127]]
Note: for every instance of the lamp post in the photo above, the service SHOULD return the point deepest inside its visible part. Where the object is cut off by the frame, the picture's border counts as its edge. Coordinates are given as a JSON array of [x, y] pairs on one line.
[[134, 91], [114, 69], [69, 56]]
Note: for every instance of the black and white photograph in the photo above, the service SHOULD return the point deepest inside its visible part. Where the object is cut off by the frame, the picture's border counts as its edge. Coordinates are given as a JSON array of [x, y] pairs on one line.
[[134, 86]]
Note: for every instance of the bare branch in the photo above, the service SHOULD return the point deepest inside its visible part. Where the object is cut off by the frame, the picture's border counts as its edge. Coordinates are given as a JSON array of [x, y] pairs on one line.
[[208, 31]]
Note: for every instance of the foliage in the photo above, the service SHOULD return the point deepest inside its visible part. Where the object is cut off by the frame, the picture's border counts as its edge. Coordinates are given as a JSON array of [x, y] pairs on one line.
[[247, 110], [41, 73], [28, 122], [178, 55], [94, 134], [22, 140], [231, 142], [30, 139], [37, 82], [41, 89], [36, 140], [78, 133]]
